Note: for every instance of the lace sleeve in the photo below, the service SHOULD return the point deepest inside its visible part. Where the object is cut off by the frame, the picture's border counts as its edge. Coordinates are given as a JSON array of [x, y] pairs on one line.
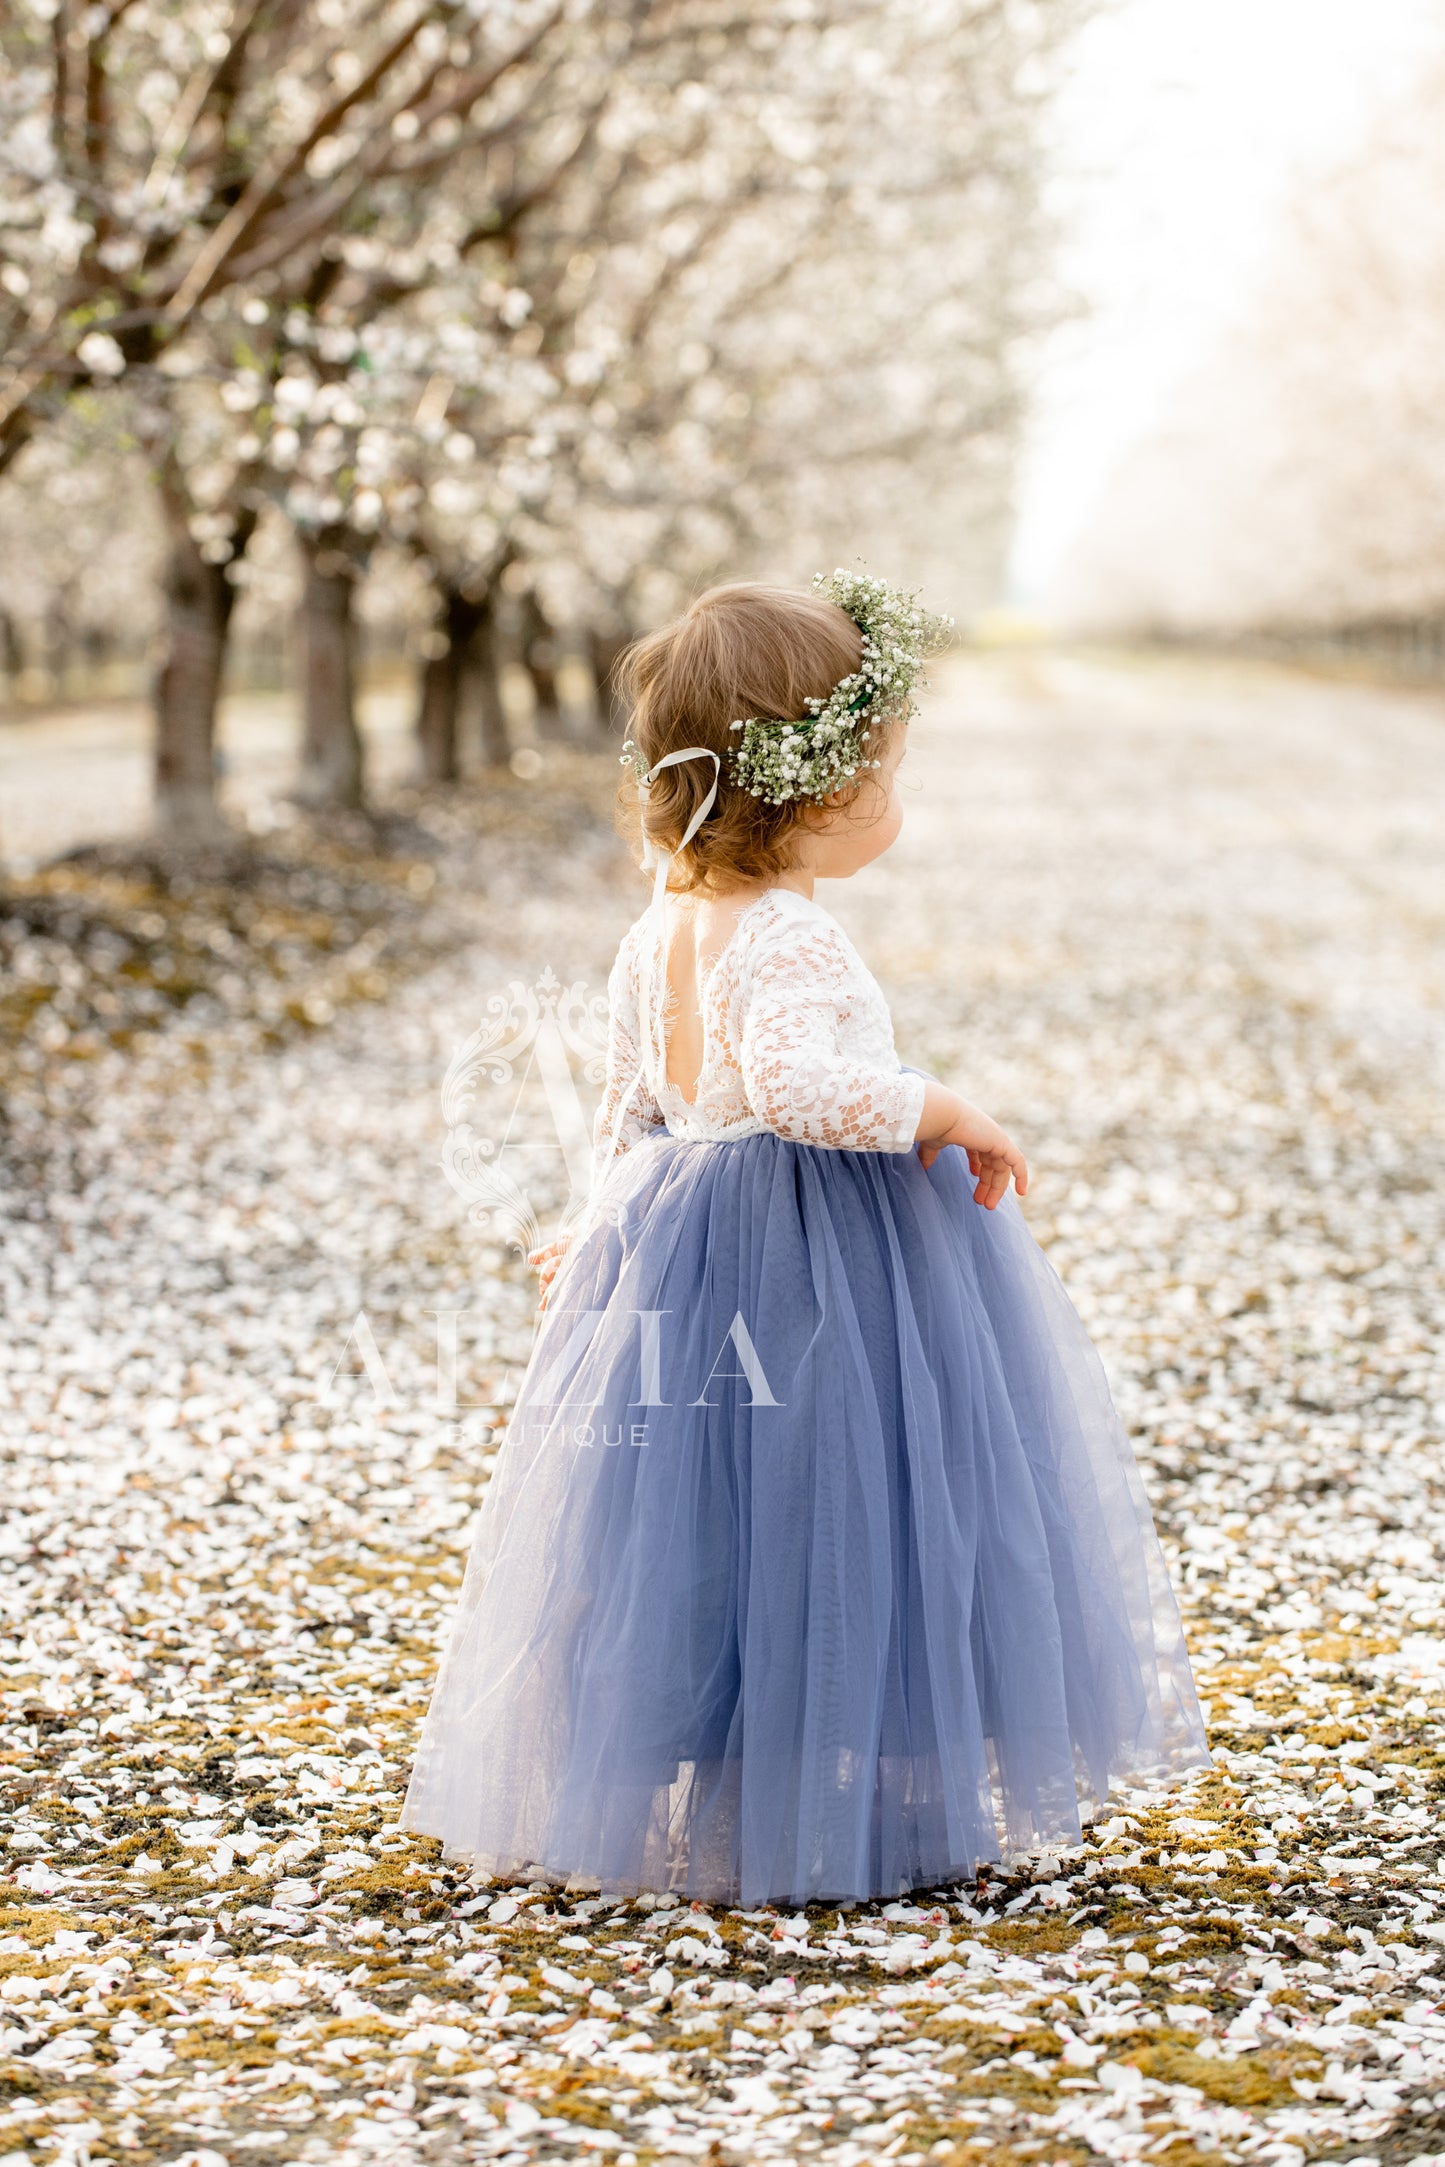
[[628, 1106], [816, 1049]]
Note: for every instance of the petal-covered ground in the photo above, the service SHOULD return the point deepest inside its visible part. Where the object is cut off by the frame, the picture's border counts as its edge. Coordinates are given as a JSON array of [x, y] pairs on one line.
[[1183, 928]]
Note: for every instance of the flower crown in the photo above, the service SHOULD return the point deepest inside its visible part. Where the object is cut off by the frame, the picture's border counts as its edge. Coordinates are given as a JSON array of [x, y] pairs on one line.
[[812, 756], [778, 761]]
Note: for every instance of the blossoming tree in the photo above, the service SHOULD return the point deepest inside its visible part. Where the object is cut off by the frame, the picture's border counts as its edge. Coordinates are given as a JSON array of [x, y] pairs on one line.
[[603, 296]]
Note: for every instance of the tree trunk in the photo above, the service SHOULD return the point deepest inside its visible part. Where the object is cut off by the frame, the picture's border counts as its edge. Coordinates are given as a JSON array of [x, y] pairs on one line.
[[331, 754], [539, 658], [484, 685], [439, 711], [436, 719], [12, 651], [199, 599]]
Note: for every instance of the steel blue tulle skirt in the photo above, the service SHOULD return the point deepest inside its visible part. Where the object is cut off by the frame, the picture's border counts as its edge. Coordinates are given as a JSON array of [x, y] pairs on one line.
[[815, 1563]]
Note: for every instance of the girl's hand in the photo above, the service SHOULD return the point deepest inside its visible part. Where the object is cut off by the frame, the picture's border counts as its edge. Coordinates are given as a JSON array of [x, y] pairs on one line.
[[548, 1262], [993, 1157]]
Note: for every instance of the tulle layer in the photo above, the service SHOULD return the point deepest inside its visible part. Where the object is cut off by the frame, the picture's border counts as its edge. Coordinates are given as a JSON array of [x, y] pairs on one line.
[[815, 1564]]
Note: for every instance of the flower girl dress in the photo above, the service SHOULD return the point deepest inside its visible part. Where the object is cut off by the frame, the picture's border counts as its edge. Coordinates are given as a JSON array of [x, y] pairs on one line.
[[816, 1564]]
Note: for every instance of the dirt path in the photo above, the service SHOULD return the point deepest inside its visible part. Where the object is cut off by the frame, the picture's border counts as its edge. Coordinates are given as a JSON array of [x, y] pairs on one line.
[[82, 773], [1184, 929]]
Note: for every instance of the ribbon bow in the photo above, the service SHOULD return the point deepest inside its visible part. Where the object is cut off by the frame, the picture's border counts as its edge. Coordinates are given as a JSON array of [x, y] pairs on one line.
[[662, 859]]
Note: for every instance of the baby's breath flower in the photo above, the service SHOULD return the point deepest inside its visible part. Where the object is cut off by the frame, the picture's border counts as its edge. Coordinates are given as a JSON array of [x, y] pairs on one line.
[[814, 755]]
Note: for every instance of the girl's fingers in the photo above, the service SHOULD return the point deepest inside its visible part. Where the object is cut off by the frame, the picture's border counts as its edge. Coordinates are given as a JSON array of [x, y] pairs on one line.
[[548, 1262], [994, 1171]]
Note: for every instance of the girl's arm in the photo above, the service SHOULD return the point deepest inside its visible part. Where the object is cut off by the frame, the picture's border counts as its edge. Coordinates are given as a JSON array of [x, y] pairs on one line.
[[628, 1111], [802, 1075], [992, 1156], [803, 1080]]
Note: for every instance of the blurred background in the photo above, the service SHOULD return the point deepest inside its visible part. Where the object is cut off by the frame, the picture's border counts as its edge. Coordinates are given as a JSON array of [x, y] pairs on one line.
[[373, 372], [1235, 441]]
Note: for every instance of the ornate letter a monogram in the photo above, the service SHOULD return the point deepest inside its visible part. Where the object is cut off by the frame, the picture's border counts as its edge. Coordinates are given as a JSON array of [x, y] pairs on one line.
[[537, 1044]]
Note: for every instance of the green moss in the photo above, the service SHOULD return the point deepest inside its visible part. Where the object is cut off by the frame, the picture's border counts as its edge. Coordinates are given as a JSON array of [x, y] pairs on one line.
[[1031, 1937], [1259, 2080]]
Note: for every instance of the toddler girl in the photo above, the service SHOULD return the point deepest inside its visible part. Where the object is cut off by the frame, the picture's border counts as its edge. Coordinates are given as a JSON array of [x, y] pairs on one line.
[[815, 1564]]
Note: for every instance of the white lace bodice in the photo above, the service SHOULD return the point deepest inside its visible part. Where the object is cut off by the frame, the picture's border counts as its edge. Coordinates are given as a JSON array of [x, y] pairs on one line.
[[797, 1038]]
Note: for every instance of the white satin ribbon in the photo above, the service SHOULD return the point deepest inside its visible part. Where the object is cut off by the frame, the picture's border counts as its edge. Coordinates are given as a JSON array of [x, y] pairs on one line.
[[662, 859], [657, 909]]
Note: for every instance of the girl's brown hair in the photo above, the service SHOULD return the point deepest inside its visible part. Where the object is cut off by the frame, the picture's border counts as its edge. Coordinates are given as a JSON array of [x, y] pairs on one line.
[[739, 651]]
